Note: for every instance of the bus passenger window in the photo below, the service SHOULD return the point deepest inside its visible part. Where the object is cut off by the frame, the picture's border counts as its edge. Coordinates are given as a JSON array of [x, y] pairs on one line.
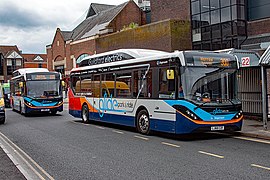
[[123, 85], [145, 84], [107, 85], [86, 87]]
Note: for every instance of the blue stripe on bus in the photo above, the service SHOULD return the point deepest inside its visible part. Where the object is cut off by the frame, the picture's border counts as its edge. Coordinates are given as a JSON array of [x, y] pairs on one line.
[[28, 109], [205, 116], [43, 103], [181, 126]]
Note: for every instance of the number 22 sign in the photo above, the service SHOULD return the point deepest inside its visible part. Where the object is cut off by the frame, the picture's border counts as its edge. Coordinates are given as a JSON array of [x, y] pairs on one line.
[[245, 61]]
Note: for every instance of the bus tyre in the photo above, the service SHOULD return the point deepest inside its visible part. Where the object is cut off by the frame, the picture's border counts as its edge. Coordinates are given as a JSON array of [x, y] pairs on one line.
[[143, 122], [53, 112], [85, 114], [21, 109], [2, 121]]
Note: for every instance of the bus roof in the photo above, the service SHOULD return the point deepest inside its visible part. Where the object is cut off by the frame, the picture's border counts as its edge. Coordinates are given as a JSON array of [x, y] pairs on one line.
[[23, 71], [145, 57]]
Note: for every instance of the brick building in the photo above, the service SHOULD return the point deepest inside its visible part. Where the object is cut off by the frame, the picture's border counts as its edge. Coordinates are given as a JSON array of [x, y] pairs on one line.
[[11, 59], [170, 9], [71, 46], [35, 60], [103, 30]]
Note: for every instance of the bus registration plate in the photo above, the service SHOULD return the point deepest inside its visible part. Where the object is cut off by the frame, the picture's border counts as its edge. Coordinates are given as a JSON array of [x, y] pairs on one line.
[[217, 128], [45, 109]]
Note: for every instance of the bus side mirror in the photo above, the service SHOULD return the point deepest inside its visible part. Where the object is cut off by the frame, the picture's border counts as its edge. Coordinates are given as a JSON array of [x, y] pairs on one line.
[[170, 74], [20, 84]]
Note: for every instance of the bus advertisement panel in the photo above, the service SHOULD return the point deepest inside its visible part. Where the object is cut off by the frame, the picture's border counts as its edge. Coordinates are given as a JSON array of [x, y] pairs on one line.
[[180, 92]]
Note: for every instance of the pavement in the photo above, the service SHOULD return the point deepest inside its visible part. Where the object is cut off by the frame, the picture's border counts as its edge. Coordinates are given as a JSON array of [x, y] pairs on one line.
[[251, 128]]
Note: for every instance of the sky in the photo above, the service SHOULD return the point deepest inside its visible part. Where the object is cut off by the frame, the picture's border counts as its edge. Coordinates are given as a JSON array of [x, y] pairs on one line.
[[31, 24]]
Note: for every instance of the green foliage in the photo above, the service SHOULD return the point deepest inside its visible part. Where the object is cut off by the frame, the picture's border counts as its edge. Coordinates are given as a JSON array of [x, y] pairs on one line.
[[130, 26]]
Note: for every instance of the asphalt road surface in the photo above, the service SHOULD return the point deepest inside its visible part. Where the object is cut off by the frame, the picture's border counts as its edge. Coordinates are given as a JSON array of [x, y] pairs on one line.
[[68, 149]]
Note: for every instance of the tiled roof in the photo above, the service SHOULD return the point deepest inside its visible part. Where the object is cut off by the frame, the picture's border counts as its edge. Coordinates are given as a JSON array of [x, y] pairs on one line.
[[103, 17], [66, 35], [32, 57], [96, 8], [7, 49]]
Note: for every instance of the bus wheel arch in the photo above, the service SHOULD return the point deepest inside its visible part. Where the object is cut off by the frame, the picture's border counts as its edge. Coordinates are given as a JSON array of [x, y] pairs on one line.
[[85, 113], [142, 120]]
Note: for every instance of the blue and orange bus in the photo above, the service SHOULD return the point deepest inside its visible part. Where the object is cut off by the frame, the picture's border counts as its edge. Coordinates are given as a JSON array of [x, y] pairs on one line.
[[36, 90], [180, 92]]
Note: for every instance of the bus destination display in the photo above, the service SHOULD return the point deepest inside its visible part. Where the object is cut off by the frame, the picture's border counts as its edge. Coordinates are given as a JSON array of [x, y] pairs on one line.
[[42, 77]]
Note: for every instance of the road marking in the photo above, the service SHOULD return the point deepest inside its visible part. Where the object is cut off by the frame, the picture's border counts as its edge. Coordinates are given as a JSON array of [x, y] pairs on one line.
[[140, 137], [17, 150], [252, 139], [262, 167], [169, 144], [99, 127], [81, 123], [118, 132], [211, 154]]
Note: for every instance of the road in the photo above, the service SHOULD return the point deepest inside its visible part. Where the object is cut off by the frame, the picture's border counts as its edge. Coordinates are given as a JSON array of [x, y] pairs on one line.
[[68, 149]]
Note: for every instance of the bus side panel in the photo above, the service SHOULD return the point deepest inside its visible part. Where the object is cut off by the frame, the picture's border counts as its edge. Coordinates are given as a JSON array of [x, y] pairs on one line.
[[162, 125], [76, 103], [117, 119], [162, 116], [17, 102]]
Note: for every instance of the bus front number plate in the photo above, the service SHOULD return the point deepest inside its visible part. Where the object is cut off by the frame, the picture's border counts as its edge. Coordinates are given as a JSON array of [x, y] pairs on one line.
[[217, 128], [45, 109]]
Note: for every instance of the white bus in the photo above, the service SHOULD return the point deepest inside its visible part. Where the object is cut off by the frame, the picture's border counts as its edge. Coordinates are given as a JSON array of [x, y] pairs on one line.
[[179, 92]]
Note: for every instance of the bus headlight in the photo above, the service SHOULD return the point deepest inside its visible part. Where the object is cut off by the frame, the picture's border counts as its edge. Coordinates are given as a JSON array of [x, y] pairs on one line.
[[60, 102], [2, 108], [28, 103], [187, 112], [238, 115], [191, 115]]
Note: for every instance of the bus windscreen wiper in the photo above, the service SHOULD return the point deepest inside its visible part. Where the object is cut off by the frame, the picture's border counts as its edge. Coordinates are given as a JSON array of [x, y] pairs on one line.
[[200, 105]]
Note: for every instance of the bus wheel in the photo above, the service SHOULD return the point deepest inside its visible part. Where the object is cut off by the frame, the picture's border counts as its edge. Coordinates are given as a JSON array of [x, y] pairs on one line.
[[21, 109], [53, 112], [143, 122], [85, 113], [2, 121]]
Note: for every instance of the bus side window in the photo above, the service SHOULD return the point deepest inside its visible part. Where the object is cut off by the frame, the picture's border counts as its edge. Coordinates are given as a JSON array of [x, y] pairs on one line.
[[147, 89], [123, 85], [108, 85], [86, 86]]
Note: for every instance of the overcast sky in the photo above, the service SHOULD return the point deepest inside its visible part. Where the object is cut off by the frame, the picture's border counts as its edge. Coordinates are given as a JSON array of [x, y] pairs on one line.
[[31, 24]]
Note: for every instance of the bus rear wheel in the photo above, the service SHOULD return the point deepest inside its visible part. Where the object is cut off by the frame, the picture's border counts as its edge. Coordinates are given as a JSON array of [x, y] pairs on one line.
[[143, 122], [85, 114]]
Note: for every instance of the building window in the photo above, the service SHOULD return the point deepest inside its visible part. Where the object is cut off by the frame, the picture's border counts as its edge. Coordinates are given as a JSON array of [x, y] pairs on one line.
[[217, 23], [80, 58], [195, 7]]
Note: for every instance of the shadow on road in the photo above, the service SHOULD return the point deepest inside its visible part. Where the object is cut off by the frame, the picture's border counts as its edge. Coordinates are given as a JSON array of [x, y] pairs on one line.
[[184, 137]]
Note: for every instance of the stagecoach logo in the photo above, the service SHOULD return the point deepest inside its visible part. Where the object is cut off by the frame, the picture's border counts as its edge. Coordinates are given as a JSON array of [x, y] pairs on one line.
[[162, 62]]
